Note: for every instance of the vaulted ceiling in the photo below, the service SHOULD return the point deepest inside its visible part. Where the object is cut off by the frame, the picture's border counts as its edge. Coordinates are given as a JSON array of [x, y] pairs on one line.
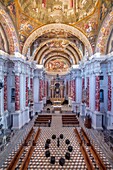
[[57, 33]]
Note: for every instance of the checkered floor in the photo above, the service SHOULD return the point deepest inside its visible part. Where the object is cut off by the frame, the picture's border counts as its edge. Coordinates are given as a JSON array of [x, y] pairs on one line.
[[39, 161]]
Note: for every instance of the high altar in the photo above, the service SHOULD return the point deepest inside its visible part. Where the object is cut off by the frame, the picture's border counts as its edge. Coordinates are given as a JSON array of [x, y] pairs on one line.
[[57, 93]]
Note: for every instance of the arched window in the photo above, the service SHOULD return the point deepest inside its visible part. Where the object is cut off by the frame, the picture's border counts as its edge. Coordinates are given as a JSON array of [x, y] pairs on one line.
[[101, 96]]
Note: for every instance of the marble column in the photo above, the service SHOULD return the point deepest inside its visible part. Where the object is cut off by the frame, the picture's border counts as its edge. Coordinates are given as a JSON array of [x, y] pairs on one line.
[[66, 88], [73, 90], [17, 92], [97, 93], [53, 92], [83, 88], [70, 88], [87, 100], [40, 90], [5, 93], [109, 92], [61, 89], [26, 91], [31, 87], [45, 88]]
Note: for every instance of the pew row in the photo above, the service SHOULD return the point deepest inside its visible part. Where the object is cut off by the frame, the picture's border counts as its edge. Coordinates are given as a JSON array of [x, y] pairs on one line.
[[16, 158]]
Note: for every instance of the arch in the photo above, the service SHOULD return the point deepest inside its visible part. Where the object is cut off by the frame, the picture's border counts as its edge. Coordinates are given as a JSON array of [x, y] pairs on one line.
[[71, 46], [57, 28], [56, 56], [109, 48], [3, 42], [9, 30], [59, 55], [66, 52], [101, 45]]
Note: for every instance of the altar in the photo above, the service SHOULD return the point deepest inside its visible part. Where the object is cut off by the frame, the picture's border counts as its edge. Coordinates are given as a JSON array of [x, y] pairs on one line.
[[57, 108]]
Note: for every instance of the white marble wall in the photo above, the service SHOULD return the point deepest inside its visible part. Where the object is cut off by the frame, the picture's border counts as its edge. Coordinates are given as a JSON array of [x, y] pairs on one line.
[[109, 116], [15, 66], [3, 71], [96, 66], [38, 105]]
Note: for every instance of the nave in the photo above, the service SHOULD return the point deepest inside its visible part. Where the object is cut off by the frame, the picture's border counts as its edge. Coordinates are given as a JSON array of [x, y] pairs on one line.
[[31, 152]]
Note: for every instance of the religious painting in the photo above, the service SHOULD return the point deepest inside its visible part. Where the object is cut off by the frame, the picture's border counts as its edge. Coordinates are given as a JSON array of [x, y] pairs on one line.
[[57, 65], [58, 11]]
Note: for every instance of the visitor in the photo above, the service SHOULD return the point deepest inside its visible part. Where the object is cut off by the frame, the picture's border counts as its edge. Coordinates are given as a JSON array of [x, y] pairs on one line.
[[49, 123]]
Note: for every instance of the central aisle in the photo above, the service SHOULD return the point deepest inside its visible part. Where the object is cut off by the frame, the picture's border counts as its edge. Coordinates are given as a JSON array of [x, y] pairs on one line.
[[39, 160]]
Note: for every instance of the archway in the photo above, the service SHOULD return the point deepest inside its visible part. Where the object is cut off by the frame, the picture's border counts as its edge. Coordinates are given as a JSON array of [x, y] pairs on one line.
[[104, 34], [57, 28], [10, 31]]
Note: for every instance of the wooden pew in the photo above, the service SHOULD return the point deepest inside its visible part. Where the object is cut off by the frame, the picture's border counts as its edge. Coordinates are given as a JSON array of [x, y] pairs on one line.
[[27, 158], [28, 136], [16, 158], [78, 136], [36, 136], [87, 140], [40, 123], [86, 158], [97, 158]]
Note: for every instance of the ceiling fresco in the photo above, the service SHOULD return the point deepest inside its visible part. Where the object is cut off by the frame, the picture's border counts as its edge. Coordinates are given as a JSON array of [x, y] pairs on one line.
[[52, 41], [57, 65], [31, 16], [55, 11]]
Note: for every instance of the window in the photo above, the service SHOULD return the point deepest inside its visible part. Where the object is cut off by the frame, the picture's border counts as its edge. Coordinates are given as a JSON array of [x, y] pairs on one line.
[[101, 96], [101, 77], [13, 95]]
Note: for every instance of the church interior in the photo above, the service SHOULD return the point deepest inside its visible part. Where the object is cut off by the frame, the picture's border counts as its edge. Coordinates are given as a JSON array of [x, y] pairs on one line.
[[56, 84]]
